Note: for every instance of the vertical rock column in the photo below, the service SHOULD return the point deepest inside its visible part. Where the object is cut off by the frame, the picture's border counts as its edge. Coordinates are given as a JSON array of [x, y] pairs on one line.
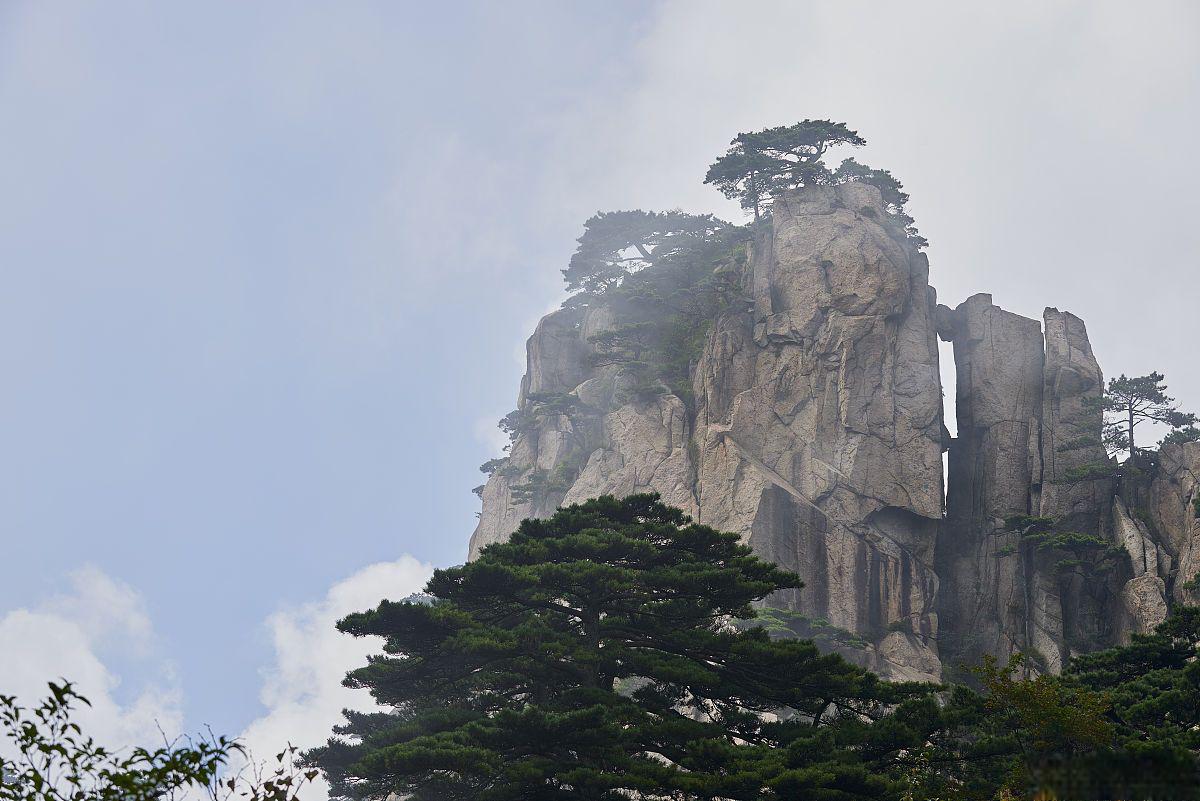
[[1175, 509], [1076, 488], [1071, 426], [991, 601], [819, 421]]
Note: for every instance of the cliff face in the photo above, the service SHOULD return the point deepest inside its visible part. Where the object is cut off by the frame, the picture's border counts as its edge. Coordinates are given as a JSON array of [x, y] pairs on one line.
[[813, 428], [992, 602], [819, 424]]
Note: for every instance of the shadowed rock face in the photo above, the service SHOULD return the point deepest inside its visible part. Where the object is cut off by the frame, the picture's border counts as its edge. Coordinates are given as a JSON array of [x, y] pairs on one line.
[[991, 602], [815, 432]]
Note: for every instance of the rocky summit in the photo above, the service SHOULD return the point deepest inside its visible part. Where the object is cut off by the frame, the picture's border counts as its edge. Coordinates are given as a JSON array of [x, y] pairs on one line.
[[809, 420]]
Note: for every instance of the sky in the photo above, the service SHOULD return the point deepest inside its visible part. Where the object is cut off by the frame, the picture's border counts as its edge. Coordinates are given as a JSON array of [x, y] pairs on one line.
[[268, 270]]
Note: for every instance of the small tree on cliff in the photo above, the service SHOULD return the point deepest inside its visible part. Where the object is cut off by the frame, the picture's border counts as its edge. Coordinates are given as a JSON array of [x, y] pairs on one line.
[[761, 163], [1128, 402], [588, 658], [616, 244]]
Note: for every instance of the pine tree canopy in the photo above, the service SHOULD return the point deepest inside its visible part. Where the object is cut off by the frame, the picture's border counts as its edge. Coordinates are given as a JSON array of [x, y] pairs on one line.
[[761, 163], [1128, 402], [616, 244], [591, 657]]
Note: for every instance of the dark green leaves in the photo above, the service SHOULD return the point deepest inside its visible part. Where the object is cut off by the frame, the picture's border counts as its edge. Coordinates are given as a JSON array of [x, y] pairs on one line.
[[590, 657], [47, 757]]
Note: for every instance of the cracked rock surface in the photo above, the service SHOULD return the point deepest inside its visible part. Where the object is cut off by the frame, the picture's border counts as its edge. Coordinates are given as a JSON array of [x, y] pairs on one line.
[[814, 430]]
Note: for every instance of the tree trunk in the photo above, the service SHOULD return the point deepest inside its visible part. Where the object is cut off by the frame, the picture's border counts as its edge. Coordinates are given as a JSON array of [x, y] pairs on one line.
[[757, 194]]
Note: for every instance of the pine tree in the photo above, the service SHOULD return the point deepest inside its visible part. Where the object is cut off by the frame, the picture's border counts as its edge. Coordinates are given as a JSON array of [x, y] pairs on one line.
[[1152, 688], [616, 244], [762, 163], [591, 658], [1129, 402], [1118, 723]]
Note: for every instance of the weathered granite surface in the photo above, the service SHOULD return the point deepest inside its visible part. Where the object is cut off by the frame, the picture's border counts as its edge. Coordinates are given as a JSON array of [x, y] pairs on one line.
[[815, 432]]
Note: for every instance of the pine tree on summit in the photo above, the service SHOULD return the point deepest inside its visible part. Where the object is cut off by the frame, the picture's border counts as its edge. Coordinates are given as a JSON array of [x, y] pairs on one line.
[[761, 163], [590, 657]]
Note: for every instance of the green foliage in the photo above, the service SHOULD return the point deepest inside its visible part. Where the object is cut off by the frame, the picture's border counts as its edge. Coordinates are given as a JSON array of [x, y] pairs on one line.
[[1193, 584], [48, 757], [1089, 472], [761, 163], [1119, 723], [1152, 687], [617, 244], [669, 310], [492, 465], [514, 424], [1196, 505], [786, 623], [1182, 436], [1129, 402], [1054, 723], [1087, 554], [590, 657], [541, 484], [1079, 443], [537, 407]]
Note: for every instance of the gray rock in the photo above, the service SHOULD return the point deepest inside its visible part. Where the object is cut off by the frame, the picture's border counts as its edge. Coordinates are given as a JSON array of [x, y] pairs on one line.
[[819, 416], [1144, 605], [1172, 506], [816, 434], [554, 355], [992, 601], [1071, 428]]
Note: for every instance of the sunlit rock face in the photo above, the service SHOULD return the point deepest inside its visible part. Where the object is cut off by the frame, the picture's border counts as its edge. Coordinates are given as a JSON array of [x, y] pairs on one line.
[[813, 429], [819, 424]]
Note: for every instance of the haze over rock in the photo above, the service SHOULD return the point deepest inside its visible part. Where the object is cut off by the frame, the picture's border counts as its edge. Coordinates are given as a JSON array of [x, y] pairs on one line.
[[810, 423]]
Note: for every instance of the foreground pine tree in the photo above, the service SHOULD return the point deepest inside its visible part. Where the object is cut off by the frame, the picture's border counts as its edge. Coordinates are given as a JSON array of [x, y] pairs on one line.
[[591, 657]]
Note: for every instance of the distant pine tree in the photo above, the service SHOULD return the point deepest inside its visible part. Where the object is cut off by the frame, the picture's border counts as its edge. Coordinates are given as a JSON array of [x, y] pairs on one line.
[[1129, 402]]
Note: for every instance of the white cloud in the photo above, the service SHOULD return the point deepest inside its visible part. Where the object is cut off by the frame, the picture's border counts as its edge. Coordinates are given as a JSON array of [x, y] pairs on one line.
[[69, 636], [302, 689]]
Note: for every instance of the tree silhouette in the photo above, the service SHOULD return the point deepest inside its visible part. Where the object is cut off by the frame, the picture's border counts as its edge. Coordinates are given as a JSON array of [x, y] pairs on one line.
[[1129, 402], [761, 163]]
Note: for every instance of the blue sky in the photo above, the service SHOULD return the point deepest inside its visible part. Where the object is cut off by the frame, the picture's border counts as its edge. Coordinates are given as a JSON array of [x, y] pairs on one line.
[[267, 268], [251, 314]]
